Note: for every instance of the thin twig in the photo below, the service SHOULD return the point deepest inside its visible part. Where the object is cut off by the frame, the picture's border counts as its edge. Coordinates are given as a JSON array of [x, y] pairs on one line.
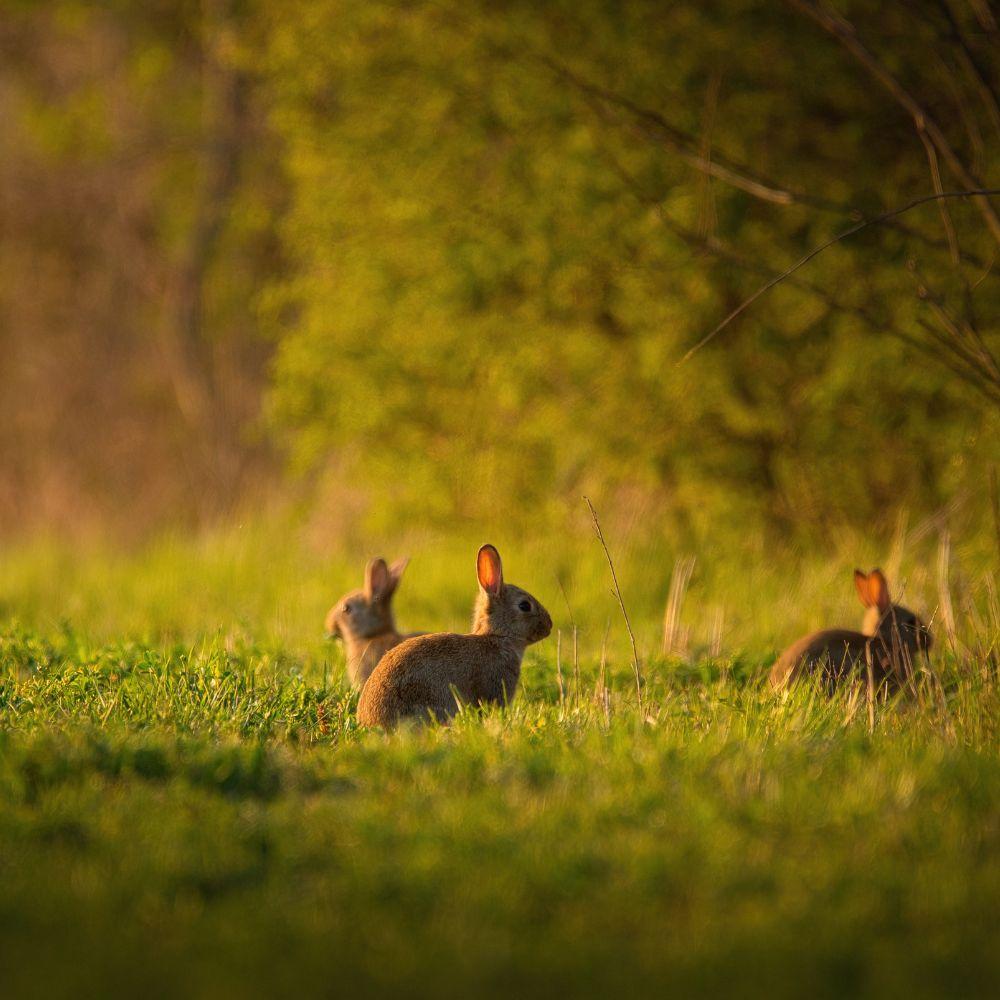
[[716, 248], [817, 250], [949, 229], [988, 92], [966, 340], [621, 604], [941, 354]]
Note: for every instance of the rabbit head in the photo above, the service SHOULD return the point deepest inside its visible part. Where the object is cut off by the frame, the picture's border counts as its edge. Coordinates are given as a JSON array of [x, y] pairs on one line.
[[503, 609], [883, 618], [365, 613]]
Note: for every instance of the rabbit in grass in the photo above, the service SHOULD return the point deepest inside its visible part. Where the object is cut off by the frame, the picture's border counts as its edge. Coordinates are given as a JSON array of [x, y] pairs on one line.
[[428, 676], [363, 619], [889, 640]]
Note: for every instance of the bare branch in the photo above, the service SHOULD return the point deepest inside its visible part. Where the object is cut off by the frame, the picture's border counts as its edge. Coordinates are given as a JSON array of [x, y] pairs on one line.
[[817, 250], [687, 146], [716, 248], [845, 32], [652, 125], [943, 351], [941, 354], [978, 72], [949, 229], [966, 339]]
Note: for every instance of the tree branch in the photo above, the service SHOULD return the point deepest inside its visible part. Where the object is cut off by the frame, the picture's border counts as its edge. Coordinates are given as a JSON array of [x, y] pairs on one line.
[[655, 126], [978, 72], [949, 229], [817, 250], [687, 146], [847, 35], [720, 250]]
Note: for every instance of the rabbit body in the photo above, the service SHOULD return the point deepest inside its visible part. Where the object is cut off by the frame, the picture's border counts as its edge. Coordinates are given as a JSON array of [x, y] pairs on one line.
[[430, 676], [891, 638], [837, 651], [426, 674], [363, 619]]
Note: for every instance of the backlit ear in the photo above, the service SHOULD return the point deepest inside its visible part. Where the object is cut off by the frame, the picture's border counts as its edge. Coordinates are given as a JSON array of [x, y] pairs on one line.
[[861, 582], [878, 590], [490, 570], [376, 580], [396, 572]]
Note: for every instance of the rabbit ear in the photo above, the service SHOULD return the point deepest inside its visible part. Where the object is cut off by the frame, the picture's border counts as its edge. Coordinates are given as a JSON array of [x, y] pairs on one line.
[[490, 570], [376, 579], [861, 582], [878, 590], [396, 573]]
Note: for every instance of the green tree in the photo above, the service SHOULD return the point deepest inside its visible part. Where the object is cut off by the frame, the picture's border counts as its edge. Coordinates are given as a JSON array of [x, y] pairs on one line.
[[509, 222]]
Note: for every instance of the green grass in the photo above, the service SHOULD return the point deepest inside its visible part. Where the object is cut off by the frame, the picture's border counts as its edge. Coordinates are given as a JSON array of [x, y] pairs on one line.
[[187, 806]]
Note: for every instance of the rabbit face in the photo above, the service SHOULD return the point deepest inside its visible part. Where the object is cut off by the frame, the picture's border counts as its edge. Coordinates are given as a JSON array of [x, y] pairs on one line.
[[354, 616], [365, 613], [513, 613], [504, 609]]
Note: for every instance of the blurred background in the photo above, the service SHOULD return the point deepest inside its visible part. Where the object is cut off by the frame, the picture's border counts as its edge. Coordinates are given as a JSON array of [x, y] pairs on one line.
[[388, 270]]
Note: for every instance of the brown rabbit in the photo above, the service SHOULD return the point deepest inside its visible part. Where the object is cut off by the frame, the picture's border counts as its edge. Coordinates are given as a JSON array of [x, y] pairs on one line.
[[428, 676], [363, 619], [890, 638]]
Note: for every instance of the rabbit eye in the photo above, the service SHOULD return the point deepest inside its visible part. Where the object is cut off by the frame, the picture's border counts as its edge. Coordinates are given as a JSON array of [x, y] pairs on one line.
[[347, 609], [525, 605]]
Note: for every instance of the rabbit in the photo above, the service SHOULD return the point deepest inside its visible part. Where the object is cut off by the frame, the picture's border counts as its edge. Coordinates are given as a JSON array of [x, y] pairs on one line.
[[363, 619], [889, 639], [427, 677]]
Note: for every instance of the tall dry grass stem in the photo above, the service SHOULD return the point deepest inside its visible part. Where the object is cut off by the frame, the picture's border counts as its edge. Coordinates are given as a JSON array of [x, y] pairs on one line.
[[897, 547], [559, 673], [576, 664], [621, 603], [870, 689], [674, 637], [602, 693], [944, 589], [718, 630]]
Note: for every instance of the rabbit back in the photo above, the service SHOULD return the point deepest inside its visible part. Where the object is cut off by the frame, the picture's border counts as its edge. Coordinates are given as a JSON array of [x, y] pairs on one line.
[[835, 651], [422, 677]]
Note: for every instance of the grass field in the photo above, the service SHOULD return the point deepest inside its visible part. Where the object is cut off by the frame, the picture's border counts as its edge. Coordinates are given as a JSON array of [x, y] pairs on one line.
[[187, 806]]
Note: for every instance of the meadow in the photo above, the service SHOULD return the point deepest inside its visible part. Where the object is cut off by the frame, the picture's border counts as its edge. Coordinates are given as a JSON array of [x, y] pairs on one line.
[[284, 287], [189, 808]]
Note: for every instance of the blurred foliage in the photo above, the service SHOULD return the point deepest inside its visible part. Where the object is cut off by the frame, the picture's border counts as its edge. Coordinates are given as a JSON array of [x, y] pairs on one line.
[[497, 269], [479, 238], [138, 198]]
